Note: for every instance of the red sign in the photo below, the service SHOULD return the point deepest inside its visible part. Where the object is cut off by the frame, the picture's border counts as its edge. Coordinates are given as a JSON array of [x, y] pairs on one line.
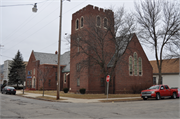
[[107, 78]]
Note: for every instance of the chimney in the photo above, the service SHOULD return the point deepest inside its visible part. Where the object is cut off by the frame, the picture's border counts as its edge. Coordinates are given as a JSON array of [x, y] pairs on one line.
[[56, 52]]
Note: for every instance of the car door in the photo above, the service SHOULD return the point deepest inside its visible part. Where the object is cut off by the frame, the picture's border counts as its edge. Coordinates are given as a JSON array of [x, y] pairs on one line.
[[162, 91], [168, 91]]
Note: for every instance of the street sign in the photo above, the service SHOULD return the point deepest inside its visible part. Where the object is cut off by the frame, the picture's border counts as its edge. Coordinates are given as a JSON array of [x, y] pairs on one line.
[[107, 78]]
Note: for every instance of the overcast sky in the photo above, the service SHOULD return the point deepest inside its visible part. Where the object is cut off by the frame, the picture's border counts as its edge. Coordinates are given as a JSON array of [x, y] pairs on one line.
[[21, 29]]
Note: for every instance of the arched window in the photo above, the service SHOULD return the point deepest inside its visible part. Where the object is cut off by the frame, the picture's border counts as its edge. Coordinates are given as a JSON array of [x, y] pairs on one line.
[[135, 64], [140, 66], [77, 24], [130, 66], [105, 22], [98, 21], [82, 22], [65, 78]]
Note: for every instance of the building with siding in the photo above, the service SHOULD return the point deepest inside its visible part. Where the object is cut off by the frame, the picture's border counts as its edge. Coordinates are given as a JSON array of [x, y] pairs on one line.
[[170, 72]]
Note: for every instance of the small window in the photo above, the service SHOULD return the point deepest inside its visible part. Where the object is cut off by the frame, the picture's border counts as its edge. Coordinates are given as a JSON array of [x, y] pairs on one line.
[[78, 82], [77, 24], [105, 22], [154, 80], [82, 22], [135, 64], [98, 21], [166, 87], [56, 76], [65, 78], [130, 66]]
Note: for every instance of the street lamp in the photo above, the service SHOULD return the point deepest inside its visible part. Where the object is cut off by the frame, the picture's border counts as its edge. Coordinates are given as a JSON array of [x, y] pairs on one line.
[[59, 46], [34, 9]]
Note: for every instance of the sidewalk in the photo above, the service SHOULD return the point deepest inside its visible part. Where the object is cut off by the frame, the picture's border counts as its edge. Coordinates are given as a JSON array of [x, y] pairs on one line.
[[71, 100]]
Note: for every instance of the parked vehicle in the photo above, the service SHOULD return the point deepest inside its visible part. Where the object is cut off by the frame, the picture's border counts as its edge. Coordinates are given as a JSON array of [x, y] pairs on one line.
[[9, 90], [158, 92], [178, 93]]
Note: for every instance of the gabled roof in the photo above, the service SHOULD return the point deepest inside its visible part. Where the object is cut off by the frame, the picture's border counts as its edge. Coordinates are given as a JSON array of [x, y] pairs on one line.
[[47, 58], [168, 66], [123, 41]]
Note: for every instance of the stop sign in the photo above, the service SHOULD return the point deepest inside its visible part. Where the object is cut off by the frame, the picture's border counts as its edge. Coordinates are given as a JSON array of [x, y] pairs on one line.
[[107, 78]]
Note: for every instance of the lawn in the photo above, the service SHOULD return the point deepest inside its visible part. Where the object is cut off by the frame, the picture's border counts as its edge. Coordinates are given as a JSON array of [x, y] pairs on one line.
[[85, 96]]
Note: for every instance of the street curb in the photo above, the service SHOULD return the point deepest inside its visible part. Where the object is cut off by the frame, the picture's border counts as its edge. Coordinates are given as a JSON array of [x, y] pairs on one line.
[[43, 99]]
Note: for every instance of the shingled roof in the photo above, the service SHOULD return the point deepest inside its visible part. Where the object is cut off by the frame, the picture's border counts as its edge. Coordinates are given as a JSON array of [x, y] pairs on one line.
[[168, 66], [123, 41], [48, 58]]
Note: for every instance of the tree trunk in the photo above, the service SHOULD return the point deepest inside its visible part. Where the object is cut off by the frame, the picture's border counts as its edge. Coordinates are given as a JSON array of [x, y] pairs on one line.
[[43, 89], [17, 86], [23, 87]]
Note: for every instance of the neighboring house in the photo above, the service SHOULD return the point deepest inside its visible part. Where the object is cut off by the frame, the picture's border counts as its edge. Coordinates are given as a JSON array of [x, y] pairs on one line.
[[43, 67], [170, 72], [6, 70], [1, 73], [132, 69]]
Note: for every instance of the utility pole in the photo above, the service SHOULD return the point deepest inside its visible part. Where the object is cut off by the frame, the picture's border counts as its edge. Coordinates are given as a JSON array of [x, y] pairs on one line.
[[59, 53]]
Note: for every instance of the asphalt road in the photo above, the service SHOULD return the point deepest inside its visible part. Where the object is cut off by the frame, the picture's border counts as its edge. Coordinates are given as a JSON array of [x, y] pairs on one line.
[[16, 107]]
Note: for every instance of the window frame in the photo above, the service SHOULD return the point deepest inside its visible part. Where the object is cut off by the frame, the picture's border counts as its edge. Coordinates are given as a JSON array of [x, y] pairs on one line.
[[104, 23], [77, 24], [78, 81], [82, 22], [97, 21], [131, 66], [65, 80], [140, 73], [135, 56]]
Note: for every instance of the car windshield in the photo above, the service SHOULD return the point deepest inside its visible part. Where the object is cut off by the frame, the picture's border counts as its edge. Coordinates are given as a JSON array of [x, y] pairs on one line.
[[154, 87]]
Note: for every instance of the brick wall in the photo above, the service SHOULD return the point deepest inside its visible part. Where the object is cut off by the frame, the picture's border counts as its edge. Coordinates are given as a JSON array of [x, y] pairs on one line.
[[123, 81]]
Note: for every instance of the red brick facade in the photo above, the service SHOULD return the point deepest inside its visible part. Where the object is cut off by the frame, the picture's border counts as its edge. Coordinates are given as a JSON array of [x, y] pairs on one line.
[[91, 77], [36, 73]]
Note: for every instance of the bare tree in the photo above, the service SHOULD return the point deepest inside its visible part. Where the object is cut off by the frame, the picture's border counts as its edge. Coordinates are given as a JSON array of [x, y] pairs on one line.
[[159, 26], [44, 74], [102, 45]]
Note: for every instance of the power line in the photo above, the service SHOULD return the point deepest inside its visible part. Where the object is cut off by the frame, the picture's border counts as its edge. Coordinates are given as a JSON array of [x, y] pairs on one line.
[[24, 24], [43, 26], [30, 35]]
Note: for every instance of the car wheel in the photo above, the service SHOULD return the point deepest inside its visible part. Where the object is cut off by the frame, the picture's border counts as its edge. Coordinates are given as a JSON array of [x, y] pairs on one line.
[[158, 96], [144, 98], [14, 93], [174, 96]]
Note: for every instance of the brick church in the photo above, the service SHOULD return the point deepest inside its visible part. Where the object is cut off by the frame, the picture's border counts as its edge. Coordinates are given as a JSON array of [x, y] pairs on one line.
[[133, 67], [81, 67]]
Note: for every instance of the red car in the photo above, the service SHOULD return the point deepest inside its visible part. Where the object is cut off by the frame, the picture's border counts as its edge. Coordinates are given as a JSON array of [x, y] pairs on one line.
[[158, 92]]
